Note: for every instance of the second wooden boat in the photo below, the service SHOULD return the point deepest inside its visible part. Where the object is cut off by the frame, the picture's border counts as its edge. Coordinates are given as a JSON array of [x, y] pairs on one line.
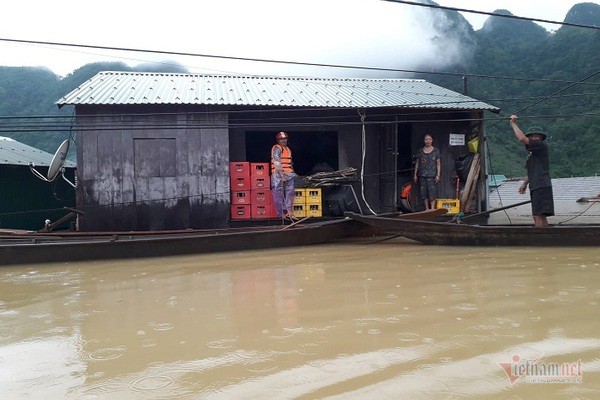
[[446, 233]]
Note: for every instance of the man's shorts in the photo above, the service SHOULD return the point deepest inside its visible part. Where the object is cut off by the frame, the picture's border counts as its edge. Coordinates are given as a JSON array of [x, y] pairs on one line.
[[542, 201]]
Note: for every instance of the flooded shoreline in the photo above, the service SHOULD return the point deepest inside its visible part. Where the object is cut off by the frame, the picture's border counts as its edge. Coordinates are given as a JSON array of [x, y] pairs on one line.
[[347, 320]]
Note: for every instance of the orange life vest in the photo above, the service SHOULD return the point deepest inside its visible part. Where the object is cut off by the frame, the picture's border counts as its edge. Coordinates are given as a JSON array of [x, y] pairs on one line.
[[286, 159]]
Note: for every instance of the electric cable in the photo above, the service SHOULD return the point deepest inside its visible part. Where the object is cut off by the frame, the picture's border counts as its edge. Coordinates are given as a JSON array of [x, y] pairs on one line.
[[527, 107], [274, 61], [299, 110], [546, 21], [363, 115]]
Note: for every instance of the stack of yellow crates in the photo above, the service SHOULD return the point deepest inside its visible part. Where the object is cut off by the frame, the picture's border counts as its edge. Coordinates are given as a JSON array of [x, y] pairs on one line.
[[314, 202], [300, 203], [308, 203]]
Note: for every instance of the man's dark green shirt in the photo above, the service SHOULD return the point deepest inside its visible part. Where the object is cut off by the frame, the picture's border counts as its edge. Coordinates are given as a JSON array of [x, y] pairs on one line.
[[538, 164]]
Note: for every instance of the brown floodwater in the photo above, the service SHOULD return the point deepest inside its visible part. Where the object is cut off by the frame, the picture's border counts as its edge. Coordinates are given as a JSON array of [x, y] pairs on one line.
[[353, 320]]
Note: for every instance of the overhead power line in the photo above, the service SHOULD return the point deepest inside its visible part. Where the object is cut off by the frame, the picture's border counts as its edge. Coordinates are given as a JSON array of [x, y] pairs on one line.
[[288, 62], [546, 21], [23, 120], [269, 124]]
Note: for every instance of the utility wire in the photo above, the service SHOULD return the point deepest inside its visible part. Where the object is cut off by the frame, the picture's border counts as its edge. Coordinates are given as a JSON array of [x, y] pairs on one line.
[[525, 108], [300, 110], [276, 125], [546, 21], [286, 62], [308, 121]]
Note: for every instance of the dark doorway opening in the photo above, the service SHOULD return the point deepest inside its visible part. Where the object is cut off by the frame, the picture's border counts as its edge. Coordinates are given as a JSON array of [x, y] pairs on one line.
[[405, 164], [311, 151]]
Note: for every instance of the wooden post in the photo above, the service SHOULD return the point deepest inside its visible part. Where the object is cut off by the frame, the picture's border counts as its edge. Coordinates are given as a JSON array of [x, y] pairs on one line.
[[471, 182], [472, 199]]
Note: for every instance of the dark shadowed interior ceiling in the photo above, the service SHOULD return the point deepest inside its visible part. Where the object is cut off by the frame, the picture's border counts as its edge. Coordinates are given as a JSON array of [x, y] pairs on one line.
[[314, 151]]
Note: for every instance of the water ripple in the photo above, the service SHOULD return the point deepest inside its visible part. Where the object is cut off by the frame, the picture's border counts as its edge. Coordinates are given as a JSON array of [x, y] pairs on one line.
[[222, 343], [108, 353], [161, 326], [151, 383], [408, 337]]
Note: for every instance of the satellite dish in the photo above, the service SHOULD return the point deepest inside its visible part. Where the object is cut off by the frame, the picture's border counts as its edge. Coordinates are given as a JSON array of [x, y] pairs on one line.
[[56, 165], [58, 160]]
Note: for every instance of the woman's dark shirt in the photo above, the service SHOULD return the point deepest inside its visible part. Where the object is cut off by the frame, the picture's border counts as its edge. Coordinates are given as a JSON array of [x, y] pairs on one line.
[[427, 163]]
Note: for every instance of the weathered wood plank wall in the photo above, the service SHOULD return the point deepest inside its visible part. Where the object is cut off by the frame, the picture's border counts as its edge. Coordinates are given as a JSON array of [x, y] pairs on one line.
[[440, 131], [161, 171]]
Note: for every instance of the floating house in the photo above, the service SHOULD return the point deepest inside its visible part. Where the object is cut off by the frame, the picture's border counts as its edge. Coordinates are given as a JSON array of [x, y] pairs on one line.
[[26, 202], [153, 149]]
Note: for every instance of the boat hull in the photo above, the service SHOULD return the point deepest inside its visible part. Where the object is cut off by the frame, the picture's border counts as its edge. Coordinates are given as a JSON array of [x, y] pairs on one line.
[[35, 248], [451, 234]]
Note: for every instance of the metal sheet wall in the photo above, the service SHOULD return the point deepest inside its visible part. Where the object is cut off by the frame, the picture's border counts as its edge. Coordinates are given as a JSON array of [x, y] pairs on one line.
[[120, 190], [26, 201]]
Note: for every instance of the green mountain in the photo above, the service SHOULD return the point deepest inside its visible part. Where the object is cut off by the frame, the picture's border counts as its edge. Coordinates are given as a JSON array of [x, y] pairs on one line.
[[502, 48], [517, 48]]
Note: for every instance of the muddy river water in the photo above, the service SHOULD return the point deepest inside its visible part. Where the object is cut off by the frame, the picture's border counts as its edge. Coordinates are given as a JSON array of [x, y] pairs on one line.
[[352, 320]]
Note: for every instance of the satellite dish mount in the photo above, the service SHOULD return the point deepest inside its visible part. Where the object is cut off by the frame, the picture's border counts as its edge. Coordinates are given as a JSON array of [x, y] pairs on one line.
[[56, 165]]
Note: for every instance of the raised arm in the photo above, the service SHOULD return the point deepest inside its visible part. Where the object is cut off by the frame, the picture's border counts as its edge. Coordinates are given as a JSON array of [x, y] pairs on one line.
[[518, 132]]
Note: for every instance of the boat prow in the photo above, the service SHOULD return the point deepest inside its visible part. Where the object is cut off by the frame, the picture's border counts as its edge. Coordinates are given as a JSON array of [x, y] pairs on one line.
[[452, 234]]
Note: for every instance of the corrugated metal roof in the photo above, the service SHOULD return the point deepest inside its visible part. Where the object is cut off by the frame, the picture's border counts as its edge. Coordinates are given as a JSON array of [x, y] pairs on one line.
[[17, 153], [110, 88], [563, 189]]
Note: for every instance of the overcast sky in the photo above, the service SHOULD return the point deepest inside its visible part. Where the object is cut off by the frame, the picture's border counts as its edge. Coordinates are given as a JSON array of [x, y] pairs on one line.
[[357, 32]]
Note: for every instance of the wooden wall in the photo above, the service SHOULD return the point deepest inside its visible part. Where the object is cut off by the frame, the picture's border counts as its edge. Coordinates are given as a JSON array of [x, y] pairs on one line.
[[440, 131], [161, 171]]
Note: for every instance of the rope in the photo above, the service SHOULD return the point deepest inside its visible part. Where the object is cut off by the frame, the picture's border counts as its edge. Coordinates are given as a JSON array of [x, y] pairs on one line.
[[363, 115], [578, 215]]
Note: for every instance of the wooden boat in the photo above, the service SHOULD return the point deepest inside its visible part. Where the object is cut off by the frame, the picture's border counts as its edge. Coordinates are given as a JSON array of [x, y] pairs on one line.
[[20, 248], [447, 233]]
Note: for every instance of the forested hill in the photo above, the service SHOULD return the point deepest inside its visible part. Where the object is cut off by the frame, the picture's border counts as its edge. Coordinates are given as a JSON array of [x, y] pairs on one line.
[[30, 91], [516, 48], [503, 47]]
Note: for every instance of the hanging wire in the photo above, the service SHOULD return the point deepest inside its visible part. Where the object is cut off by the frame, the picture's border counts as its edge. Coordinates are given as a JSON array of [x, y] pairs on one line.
[[510, 16], [363, 115], [526, 108]]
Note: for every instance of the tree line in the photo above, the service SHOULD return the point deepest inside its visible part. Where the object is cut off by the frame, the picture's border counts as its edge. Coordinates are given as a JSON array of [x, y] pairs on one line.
[[503, 47]]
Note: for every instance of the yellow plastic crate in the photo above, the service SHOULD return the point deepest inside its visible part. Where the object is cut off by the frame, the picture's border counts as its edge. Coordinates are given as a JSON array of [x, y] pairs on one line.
[[300, 196], [313, 195], [452, 205], [314, 210], [299, 210]]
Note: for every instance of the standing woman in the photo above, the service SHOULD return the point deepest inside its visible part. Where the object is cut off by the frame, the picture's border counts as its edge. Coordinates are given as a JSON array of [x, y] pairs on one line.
[[427, 171]]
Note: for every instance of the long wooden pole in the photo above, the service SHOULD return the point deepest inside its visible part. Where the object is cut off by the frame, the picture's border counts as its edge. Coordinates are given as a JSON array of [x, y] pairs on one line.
[[466, 217], [496, 209]]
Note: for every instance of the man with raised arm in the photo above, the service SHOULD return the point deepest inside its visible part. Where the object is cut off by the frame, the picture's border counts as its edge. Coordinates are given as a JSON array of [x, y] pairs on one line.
[[538, 172]]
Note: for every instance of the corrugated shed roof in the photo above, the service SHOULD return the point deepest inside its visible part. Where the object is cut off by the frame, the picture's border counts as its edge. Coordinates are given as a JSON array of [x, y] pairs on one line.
[[563, 189], [111, 88], [17, 153]]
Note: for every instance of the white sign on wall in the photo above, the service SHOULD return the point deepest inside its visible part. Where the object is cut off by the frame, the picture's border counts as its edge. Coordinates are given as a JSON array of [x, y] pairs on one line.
[[457, 139]]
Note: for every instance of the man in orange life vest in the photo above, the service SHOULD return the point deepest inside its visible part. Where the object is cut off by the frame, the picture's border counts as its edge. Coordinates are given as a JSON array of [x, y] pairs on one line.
[[282, 177]]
